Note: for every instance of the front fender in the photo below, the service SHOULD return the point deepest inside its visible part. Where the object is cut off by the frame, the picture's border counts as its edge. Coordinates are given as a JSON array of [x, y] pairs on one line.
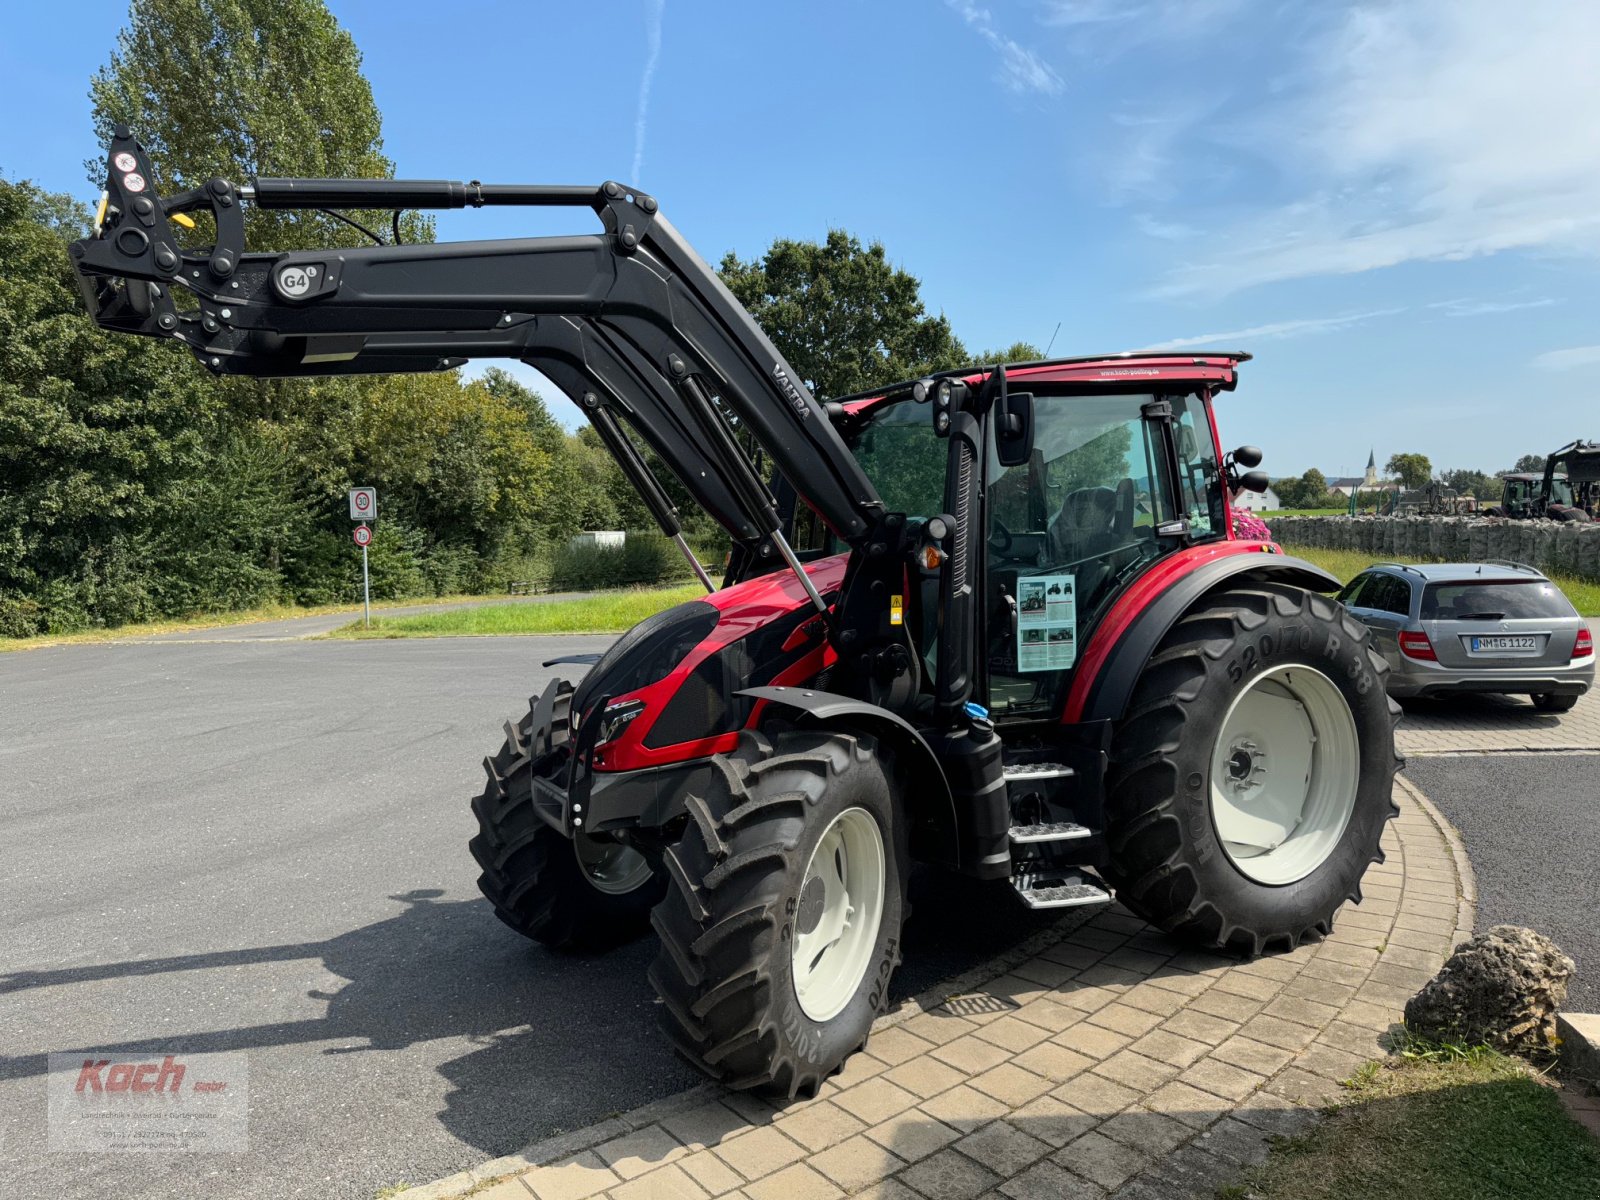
[[926, 791], [1108, 695]]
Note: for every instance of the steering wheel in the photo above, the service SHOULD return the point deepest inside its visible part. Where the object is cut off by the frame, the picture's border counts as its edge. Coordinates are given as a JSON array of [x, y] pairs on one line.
[[999, 537]]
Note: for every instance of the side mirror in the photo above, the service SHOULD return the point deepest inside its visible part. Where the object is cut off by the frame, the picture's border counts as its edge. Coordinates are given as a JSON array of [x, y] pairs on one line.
[[1247, 457], [1254, 481], [1013, 429]]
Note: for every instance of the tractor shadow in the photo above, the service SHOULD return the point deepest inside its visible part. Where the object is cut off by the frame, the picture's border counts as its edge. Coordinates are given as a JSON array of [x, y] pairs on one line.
[[557, 1041]]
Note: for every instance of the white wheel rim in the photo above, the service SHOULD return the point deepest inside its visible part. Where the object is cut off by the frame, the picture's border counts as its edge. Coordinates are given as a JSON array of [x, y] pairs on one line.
[[1284, 774], [839, 911], [610, 867]]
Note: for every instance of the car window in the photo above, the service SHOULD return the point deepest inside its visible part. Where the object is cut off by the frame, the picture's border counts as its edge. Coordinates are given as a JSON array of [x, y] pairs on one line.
[[1381, 592], [1352, 592], [1505, 599], [1396, 596]]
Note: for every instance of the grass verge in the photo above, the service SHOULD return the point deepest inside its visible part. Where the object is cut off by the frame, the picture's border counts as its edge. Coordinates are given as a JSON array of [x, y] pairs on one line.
[[609, 613], [1442, 1124], [215, 620], [1585, 596]]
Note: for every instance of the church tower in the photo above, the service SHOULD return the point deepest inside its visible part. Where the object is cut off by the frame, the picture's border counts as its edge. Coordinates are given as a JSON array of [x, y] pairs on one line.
[[1371, 479]]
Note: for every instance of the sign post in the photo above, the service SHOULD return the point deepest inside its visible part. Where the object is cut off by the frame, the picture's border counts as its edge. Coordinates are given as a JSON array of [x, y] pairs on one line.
[[364, 508]]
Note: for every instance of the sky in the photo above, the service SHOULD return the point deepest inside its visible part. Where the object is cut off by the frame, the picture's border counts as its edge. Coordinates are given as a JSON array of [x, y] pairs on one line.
[[1394, 207]]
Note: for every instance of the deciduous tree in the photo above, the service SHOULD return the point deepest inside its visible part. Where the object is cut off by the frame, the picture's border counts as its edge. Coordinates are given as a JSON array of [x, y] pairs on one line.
[[843, 315], [1413, 470], [247, 87]]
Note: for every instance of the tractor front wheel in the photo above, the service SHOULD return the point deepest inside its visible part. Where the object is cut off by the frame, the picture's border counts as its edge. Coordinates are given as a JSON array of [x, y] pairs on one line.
[[781, 927], [585, 893], [1252, 777]]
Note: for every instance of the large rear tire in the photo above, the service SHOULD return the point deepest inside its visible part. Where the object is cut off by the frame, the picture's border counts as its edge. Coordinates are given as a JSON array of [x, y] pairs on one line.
[[1251, 779], [781, 927], [586, 893]]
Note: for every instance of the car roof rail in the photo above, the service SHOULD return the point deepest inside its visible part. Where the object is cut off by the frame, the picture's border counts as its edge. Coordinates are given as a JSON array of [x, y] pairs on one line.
[[1399, 567], [1515, 566]]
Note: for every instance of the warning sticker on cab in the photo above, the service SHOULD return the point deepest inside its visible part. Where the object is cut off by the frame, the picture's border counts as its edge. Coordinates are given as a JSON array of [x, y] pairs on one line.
[[1047, 623]]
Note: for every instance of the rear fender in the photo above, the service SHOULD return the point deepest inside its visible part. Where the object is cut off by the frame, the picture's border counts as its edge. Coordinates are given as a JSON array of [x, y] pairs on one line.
[[1109, 693], [926, 792]]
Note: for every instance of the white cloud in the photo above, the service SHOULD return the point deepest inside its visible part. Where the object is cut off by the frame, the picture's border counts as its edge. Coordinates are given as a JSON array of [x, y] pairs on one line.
[[1565, 360], [1153, 18], [1486, 308], [1426, 130], [1166, 231], [654, 10], [1021, 70], [1277, 329]]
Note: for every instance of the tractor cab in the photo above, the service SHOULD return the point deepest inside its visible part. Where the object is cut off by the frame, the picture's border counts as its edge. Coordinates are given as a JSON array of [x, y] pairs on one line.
[[1089, 477], [1524, 494]]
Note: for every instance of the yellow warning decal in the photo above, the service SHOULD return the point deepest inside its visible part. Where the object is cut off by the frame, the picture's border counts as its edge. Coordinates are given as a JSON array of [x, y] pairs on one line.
[[897, 613]]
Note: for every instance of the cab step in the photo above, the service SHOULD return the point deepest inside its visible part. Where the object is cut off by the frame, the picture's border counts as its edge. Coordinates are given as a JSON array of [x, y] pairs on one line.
[[1031, 772], [1052, 831], [1058, 889]]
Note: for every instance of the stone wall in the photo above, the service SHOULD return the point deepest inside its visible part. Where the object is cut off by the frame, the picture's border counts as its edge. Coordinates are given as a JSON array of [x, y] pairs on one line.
[[1569, 549]]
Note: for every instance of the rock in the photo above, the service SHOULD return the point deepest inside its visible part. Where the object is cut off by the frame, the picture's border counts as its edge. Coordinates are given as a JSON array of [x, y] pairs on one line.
[[1502, 988]]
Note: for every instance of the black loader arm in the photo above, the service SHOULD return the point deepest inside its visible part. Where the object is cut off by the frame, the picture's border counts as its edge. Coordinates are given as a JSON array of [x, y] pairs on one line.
[[629, 321]]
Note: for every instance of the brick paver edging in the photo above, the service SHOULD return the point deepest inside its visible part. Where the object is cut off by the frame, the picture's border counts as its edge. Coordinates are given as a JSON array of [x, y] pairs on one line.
[[1105, 1063]]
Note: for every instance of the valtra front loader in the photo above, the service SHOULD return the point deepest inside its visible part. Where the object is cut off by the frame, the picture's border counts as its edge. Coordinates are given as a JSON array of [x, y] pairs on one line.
[[993, 620]]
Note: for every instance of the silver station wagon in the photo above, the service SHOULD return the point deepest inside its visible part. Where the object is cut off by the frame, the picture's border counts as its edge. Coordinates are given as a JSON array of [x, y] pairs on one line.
[[1475, 627]]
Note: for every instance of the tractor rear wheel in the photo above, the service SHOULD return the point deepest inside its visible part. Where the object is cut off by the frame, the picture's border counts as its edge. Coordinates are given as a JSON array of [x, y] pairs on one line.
[[781, 926], [583, 893], [1251, 779]]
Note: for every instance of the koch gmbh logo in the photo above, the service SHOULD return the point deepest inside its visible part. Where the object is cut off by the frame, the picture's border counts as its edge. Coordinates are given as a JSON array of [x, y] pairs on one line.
[[150, 1102]]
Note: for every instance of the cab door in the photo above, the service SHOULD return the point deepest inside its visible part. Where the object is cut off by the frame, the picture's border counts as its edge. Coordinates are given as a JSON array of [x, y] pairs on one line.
[[1066, 531]]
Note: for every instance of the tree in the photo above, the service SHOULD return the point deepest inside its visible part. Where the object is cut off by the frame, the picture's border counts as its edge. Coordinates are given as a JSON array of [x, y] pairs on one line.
[[1017, 352], [1291, 492], [247, 87], [1530, 464], [1413, 470], [844, 316], [95, 429], [1465, 481]]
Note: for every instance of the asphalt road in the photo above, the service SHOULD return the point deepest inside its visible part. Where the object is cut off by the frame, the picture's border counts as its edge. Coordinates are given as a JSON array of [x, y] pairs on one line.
[[1532, 829], [260, 846]]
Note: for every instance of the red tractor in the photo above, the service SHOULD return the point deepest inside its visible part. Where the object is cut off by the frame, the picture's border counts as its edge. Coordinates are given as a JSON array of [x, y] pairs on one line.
[[993, 620]]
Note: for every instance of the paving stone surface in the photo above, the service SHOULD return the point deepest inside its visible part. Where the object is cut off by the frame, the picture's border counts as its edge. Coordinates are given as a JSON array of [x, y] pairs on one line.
[[1497, 724], [1113, 1063]]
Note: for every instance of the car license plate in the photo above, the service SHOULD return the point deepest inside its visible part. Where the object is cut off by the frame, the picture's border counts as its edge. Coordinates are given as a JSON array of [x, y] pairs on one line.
[[1505, 643]]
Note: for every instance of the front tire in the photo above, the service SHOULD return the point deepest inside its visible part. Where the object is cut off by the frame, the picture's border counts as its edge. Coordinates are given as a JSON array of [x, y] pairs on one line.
[[781, 927], [1251, 779], [587, 893]]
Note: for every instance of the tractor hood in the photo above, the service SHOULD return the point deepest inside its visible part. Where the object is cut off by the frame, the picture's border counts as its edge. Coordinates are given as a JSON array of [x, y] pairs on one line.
[[670, 684]]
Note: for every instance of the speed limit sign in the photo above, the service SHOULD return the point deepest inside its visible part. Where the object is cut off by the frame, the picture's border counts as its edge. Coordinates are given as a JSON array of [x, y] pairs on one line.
[[363, 535], [363, 504]]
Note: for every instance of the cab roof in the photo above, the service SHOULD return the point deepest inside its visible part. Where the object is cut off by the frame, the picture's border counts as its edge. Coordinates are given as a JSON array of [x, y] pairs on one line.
[[1215, 369]]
